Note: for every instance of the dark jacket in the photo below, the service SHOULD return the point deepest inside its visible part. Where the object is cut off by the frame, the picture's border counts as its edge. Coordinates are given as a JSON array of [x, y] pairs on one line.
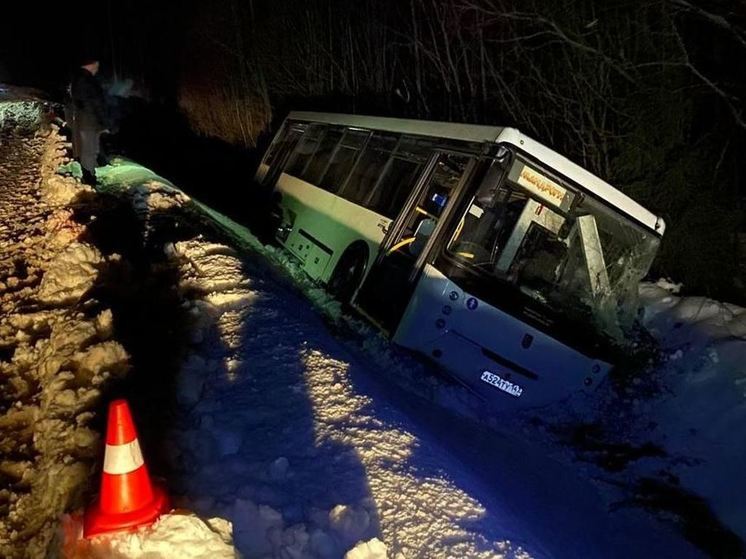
[[89, 111]]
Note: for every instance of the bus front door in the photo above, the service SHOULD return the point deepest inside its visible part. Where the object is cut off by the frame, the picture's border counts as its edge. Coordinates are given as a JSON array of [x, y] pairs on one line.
[[385, 293]]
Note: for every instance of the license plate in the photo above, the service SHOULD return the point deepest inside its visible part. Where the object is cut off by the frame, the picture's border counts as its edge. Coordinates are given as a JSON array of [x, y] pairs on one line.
[[502, 384]]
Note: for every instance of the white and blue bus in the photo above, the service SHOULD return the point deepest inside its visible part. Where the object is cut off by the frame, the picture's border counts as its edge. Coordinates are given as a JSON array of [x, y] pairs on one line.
[[511, 267]]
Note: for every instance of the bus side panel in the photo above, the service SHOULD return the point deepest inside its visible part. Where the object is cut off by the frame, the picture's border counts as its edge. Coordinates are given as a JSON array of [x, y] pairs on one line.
[[469, 337], [325, 225]]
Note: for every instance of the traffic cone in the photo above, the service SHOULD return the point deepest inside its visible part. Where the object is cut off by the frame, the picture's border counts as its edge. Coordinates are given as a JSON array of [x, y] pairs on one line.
[[127, 498]]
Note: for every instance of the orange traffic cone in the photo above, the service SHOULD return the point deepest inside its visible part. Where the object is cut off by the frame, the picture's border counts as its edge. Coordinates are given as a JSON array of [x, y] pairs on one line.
[[127, 499]]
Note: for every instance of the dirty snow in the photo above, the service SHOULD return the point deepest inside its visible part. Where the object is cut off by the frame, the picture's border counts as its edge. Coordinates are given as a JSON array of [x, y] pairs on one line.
[[54, 359], [63, 191], [70, 275]]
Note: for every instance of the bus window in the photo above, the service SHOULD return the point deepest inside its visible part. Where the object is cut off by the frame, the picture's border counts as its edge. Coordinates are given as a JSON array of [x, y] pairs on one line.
[[399, 176], [538, 264], [343, 159], [369, 167], [487, 225], [305, 149], [281, 151], [322, 156], [394, 187], [277, 143]]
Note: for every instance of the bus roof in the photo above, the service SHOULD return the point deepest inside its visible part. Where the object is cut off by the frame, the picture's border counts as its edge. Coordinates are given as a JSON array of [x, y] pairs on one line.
[[452, 130], [494, 134]]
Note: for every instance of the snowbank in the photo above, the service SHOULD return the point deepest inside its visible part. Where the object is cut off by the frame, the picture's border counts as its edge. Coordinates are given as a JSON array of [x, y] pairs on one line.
[[702, 414], [55, 360], [58, 190], [373, 549], [155, 196]]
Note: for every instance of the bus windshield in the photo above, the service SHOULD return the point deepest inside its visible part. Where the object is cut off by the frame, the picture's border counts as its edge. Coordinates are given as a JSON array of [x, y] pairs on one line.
[[566, 251]]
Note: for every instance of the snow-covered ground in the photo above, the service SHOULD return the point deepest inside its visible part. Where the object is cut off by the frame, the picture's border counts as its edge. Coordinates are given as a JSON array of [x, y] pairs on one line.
[[301, 440], [55, 359], [302, 433], [702, 413]]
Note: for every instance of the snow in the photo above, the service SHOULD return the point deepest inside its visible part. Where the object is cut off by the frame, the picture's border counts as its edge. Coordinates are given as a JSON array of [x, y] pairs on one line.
[[70, 275], [373, 549], [56, 359], [62, 191], [265, 446], [703, 412], [291, 440], [23, 116], [174, 535], [317, 447], [153, 196]]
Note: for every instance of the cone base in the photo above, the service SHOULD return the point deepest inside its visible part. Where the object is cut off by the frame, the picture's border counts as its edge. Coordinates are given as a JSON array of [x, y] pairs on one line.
[[97, 522]]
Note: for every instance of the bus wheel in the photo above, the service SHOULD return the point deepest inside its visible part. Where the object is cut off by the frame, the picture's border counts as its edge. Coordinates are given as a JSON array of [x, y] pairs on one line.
[[348, 273]]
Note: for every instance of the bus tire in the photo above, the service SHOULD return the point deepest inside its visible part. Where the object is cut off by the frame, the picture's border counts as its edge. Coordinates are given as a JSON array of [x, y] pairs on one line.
[[348, 273]]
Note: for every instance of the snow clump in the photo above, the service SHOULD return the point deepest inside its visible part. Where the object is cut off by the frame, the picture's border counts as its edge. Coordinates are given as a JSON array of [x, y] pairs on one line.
[[373, 549], [70, 275], [182, 536]]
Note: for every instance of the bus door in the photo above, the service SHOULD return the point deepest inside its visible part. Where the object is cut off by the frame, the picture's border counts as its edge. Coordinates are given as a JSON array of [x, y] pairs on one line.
[[386, 291]]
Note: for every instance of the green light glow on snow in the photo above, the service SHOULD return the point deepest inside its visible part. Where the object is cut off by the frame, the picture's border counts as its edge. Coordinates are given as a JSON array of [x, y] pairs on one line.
[[72, 168], [122, 174]]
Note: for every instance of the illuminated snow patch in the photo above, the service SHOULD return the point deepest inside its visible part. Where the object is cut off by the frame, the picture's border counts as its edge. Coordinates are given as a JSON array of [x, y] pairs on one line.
[[174, 535], [70, 275], [419, 516]]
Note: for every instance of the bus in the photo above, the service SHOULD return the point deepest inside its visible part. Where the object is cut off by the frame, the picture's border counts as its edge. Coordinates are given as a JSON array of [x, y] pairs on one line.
[[512, 268]]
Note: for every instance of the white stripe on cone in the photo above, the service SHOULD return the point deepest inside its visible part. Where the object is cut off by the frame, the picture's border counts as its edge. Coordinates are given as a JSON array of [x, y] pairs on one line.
[[123, 458]]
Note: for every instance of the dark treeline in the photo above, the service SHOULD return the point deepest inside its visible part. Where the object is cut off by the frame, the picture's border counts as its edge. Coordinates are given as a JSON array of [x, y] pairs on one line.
[[649, 95]]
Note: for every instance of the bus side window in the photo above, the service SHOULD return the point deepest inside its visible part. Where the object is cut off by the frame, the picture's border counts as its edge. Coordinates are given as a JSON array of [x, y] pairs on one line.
[[343, 159], [394, 187], [274, 147], [322, 156], [305, 149], [400, 175], [369, 167]]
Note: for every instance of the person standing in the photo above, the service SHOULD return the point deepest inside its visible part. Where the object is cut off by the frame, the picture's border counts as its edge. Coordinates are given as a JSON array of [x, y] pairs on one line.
[[89, 117]]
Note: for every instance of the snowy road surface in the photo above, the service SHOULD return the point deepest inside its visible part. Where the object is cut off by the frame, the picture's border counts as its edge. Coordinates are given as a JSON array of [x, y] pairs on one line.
[[293, 436]]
